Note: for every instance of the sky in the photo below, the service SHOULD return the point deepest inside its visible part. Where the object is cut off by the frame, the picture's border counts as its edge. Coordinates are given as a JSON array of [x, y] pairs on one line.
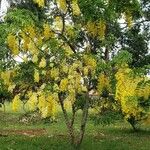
[[3, 8]]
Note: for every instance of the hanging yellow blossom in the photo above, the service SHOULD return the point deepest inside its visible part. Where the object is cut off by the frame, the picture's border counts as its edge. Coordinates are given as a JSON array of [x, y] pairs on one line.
[[16, 103], [35, 58], [91, 28], [69, 30], [84, 89], [68, 50], [101, 29], [41, 3], [42, 63], [90, 62], [67, 104], [13, 44], [75, 8], [63, 85], [47, 105], [50, 109], [36, 76], [96, 29], [72, 95], [39, 40], [128, 19], [62, 5], [103, 83], [126, 93], [58, 24], [47, 31], [25, 59], [30, 31], [86, 71], [42, 101], [11, 87], [25, 41], [64, 68], [6, 77], [54, 73], [32, 102], [33, 48]]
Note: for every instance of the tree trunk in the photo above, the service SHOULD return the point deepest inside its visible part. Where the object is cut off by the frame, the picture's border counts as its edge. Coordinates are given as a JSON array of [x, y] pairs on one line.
[[68, 124], [106, 54], [83, 121], [132, 123]]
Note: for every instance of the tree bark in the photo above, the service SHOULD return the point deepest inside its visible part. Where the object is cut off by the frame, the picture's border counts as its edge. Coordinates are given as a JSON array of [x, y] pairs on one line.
[[83, 121], [68, 124]]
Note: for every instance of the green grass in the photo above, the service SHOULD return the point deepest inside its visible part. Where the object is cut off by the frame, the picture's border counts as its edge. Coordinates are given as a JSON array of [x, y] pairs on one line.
[[114, 137]]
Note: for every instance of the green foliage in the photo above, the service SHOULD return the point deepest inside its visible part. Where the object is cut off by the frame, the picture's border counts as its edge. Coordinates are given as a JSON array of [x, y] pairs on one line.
[[123, 57], [20, 18], [107, 118]]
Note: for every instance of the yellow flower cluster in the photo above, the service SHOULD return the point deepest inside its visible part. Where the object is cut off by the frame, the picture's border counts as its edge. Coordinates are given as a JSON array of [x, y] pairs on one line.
[[63, 85], [101, 28], [13, 44], [36, 76], [128, 19], [6, 77], [90, 64], [47, 104], [96, 29], [11, 87], [35, 58], [62, 5], [16, 103], [54, 73], [42, 63], [64, 68], [41, 3], [69, 31], [91, 28], [33, 100], [29, 39], [68, 50], [126, 93], [41, 101], [50, 109], [25, 41], [103, 83], [58, 24], [30, 30], [33, 48], [75, 8], [73, 84], [71, 96], [67, 104], [47, 31]]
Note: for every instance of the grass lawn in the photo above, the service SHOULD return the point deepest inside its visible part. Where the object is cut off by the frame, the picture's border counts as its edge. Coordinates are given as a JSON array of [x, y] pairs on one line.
[[42, 135]]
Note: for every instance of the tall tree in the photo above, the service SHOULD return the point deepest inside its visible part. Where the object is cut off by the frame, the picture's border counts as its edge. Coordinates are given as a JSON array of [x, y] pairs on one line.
[[61, 44]]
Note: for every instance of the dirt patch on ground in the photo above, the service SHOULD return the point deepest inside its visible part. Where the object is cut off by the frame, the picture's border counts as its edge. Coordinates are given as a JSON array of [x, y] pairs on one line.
[[26, 132]]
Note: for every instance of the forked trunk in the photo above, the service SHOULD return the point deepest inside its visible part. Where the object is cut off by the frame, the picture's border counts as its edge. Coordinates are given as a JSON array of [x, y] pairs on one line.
[[76, 143], [83, 122]]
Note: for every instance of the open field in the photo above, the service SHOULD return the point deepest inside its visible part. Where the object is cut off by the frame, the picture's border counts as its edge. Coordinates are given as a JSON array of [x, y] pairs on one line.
[[19, 132]]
